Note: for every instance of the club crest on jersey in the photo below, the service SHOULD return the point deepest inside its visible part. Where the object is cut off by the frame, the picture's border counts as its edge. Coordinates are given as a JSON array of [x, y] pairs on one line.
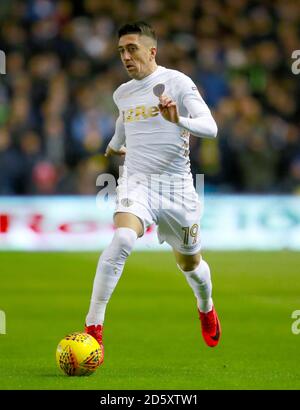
[[140, 112], [126, 202]]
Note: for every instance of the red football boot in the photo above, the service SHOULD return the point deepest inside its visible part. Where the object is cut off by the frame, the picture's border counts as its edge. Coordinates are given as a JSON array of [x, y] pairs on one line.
[[97, 332], [211, 328]]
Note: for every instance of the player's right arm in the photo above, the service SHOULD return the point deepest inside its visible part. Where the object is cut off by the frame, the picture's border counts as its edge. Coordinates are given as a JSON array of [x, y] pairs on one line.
[[116, 144]]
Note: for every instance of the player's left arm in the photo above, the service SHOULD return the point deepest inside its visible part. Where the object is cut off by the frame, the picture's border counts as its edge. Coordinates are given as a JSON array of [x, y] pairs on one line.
[[201, 123]]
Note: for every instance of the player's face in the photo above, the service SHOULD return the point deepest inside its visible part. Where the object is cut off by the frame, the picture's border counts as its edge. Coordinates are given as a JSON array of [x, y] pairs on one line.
[[137, 55]]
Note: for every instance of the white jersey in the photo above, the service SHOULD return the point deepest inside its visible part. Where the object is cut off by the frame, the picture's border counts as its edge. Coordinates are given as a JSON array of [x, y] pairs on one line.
[[154, 145]]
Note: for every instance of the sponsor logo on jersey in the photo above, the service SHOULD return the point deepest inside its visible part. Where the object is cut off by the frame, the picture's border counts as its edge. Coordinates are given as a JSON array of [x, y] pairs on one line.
[[140, 112]]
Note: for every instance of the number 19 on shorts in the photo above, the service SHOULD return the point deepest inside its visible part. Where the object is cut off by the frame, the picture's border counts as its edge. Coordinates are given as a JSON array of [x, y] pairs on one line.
[[190, 232]]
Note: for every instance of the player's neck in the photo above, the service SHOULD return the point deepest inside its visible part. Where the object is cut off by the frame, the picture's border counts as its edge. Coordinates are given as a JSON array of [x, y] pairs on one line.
[[149, 71]]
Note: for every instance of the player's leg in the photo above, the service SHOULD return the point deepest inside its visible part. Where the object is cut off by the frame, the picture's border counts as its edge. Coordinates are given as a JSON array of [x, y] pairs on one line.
[[129, 220], [197, 274], [110, 267], [178, 225], [111, 264]]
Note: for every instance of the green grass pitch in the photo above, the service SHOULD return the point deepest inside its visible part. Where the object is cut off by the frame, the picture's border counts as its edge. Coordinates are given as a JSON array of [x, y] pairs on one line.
[[152, 334]]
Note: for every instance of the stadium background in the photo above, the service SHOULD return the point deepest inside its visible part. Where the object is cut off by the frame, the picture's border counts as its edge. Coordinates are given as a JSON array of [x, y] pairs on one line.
[[56, 118], [57, 113]]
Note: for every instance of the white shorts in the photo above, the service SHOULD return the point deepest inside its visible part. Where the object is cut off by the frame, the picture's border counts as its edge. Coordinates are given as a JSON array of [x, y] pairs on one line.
[[177, 215]]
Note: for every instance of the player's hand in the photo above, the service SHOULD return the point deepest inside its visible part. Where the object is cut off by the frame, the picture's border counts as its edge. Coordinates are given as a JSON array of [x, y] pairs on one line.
[[168, 109], [110, 152]]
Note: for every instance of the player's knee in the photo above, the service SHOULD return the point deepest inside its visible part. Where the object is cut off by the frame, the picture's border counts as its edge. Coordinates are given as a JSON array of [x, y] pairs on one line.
[[190, 263], [123, 242], [120, 247]]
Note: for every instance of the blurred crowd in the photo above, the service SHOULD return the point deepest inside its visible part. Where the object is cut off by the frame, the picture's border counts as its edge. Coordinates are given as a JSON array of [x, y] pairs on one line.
[[57, 113]]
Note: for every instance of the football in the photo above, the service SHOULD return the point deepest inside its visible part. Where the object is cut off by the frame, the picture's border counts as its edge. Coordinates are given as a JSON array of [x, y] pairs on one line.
[[78, 354]]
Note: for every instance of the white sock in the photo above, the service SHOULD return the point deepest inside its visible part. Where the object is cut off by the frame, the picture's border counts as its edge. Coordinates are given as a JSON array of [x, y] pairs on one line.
[[109, 271], [200, 281]]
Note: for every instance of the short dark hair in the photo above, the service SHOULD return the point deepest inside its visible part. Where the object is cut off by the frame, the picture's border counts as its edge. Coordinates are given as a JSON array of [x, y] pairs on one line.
[[138, 27]]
